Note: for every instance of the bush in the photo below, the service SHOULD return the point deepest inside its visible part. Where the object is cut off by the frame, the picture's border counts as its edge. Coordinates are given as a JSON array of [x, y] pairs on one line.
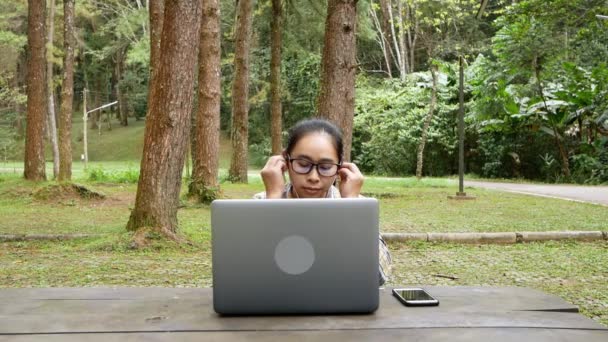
[[98, 174], [389, 116]]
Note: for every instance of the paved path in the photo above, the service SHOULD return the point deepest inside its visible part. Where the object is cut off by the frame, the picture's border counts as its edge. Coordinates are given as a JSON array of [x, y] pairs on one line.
[[590, 194]]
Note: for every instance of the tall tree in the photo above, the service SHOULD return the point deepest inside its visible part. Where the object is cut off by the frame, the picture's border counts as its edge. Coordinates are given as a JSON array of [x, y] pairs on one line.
[[34, 168], [240, 92], [120, 96], [276, 28], [67, 93], [205, 153], [52, 117], [337, 90], [157, 9], [168, 121], [427, 122]]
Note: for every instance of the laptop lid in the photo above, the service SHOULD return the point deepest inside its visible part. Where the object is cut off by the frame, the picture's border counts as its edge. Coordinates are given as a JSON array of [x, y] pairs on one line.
[[295, 256]]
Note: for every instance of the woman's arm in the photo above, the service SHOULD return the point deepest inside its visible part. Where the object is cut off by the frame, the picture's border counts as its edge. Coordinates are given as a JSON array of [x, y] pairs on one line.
[[351, 180], [273, 177]]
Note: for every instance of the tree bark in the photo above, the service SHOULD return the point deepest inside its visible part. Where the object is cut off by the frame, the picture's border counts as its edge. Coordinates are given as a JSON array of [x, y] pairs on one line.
[[168, 122], [412, 34], [52, 117], [205, 152], [403, 64], [67, 93], [122, 108], [337, 89], [157, 9], [276, 28], [385, 24], [34, 167], [240, 92], [427, 122]]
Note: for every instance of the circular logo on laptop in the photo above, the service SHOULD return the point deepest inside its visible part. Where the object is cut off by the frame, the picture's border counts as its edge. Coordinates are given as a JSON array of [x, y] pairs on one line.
[[294, 255]]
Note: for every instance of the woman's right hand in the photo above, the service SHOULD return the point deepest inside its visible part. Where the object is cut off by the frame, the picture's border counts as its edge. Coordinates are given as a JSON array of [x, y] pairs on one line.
[[273, 177]]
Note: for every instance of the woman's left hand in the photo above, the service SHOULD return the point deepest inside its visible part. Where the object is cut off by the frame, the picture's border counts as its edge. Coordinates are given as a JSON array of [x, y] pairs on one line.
[[351, 180]]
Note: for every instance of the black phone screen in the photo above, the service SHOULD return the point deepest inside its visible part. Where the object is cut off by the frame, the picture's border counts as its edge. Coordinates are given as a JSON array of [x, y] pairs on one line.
[[414, 294]]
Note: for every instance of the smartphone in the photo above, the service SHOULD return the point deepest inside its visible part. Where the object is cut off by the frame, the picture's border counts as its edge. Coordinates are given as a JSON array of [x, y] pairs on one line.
[[415, 297]]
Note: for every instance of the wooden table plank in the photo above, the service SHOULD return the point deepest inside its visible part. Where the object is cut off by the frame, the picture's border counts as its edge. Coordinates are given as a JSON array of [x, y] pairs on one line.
[[105, 310], [387, 335], [457, 298]]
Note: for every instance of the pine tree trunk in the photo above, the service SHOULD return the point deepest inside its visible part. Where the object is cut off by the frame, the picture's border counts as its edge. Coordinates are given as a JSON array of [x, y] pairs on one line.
[[34, 167], [205, 152], [157, 9], [122, 108], [427, 122], [276, 28], [240, 92], [338, 69], [168, 122], [67, 94], [52, 117]]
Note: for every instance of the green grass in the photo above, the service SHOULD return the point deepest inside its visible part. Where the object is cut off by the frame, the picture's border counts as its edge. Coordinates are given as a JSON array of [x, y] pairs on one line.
[[117, 146], [405, 206], [574, 271], [571, 270]]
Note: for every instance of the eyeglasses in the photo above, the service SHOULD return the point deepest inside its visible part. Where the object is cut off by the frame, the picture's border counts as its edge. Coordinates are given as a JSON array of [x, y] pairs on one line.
[[304, 166]]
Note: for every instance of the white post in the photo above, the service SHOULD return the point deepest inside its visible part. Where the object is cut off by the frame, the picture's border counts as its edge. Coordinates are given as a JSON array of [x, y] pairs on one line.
[[84, 117]]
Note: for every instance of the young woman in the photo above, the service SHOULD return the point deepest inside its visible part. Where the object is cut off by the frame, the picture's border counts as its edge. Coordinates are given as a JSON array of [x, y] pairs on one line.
[[313, 159]]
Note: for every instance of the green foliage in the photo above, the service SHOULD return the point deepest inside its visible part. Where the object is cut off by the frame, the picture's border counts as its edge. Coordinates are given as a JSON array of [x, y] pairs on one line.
[[388, 124], [99, 174], [258, 153], [538, 83]]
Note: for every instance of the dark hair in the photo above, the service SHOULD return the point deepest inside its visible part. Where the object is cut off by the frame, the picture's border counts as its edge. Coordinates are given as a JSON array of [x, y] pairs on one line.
[[304, 127]]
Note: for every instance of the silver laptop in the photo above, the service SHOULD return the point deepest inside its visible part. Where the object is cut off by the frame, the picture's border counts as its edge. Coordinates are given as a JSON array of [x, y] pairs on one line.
[[295, 256]]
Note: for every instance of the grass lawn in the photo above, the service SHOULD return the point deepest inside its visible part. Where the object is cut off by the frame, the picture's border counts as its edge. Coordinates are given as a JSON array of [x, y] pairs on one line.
[[574, 271], [406, 205]]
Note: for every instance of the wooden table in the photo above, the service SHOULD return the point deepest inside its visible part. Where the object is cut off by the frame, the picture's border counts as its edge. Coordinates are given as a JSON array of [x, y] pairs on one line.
[[173, 314]]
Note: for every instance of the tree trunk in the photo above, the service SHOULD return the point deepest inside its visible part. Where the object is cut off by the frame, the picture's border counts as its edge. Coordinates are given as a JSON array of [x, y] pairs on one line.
[[386, 31], [34, 167], [52, 117], [427, 122], [240, 92], [563, 153], [67, 93], [122, 108], [20, 80], [394, 35], [403, 64], [96, 115], [338, 68], [276, 28], [412, 34], [205, 152], [157, 8], [168, 121]]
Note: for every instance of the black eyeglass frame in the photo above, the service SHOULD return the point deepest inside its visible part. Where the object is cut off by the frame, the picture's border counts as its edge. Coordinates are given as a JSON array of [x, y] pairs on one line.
[[312, 165]]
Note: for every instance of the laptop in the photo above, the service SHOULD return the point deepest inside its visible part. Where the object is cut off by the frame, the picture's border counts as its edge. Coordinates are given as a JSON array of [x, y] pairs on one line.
[[305, 256]]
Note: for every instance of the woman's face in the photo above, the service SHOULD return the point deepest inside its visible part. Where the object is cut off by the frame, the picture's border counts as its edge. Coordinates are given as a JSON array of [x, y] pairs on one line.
[[316, 147]]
